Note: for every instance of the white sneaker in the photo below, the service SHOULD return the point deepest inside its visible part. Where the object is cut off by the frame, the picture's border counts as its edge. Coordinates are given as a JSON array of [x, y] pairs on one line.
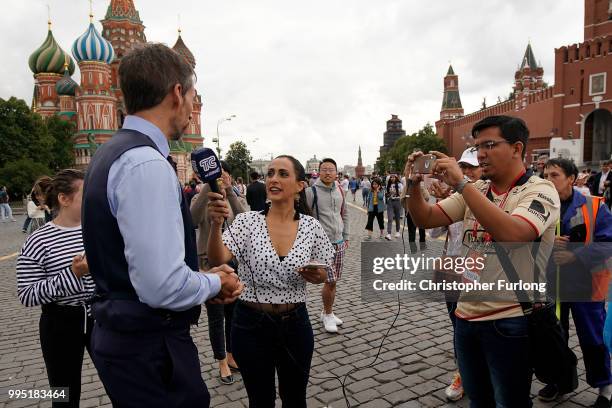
[[388, 237], [329, 323], [454, 392], [338, 321], [397, 235]]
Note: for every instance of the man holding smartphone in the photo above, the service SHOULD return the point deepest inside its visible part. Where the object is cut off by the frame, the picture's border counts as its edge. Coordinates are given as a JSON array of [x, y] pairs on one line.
[[492, 340]]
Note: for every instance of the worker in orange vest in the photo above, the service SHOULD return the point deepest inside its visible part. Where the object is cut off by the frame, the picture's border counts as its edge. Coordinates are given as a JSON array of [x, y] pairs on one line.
[[582, 249]]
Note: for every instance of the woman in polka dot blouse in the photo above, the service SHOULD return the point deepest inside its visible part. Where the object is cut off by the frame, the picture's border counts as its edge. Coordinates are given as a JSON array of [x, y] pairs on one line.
[[271, 331]]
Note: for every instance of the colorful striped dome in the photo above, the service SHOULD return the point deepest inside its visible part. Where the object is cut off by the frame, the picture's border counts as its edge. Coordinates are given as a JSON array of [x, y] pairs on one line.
[[66, 85], [91, 46], [49, 58]]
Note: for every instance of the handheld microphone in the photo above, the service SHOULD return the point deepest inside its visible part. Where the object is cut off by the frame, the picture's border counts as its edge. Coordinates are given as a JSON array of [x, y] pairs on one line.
[[207, 166]]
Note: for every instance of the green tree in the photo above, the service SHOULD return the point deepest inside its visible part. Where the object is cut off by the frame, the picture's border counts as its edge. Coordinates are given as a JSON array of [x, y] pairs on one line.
[[19, 176], [425, 140], [239, 158], [62, 133], [23, 134]]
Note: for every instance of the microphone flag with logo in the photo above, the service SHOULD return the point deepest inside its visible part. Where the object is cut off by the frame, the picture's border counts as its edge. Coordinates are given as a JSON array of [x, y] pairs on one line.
[[207, 166]]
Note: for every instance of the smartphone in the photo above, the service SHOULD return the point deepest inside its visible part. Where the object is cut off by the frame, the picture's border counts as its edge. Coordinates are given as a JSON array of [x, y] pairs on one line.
[[314, 265], [424, 164]]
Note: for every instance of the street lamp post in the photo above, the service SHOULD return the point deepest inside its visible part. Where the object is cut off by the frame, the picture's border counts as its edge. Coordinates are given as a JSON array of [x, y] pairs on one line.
[[217, 139], [246, 164]]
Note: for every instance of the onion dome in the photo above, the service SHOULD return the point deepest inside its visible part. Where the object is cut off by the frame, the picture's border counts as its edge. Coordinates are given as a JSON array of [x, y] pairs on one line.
[[66, 85], [182, 49], [49, 58], [91, 46]]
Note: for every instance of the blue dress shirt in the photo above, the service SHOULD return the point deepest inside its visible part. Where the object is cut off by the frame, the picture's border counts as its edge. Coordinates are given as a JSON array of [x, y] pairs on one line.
[[144, 195]]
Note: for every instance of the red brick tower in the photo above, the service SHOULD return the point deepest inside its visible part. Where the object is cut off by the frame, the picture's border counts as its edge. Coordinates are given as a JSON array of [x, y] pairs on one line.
[[527, 79], [359, 169], [597, 18], [192, 139], [451, 101], [194, 132], [96, 103], [123, 28]]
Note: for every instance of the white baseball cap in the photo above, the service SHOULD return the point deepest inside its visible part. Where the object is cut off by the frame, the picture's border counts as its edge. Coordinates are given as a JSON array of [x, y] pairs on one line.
[[469, 157]]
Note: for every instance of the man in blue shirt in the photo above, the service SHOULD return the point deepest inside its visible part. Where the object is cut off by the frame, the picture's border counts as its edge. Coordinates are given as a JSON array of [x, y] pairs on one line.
[[140, 244]]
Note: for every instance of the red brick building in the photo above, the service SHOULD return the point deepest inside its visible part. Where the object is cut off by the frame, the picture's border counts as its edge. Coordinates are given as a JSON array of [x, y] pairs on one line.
[[570, 118]]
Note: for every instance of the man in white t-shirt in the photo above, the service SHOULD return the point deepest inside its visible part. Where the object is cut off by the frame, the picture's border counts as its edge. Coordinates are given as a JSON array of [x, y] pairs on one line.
[[491, 338], [345, 184]]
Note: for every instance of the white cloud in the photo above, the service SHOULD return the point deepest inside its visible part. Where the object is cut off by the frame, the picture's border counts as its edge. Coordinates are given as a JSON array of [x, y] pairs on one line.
[[320, 77]]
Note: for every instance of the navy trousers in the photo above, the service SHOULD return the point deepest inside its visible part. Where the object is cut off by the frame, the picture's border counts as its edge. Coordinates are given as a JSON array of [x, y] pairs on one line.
[[589, 319], [493, 358], [149, 369]]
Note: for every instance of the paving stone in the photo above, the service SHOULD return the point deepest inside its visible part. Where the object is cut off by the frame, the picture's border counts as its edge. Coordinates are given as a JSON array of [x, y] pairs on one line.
[[377, 403], [362, 385], [433, 372], [400, 396]]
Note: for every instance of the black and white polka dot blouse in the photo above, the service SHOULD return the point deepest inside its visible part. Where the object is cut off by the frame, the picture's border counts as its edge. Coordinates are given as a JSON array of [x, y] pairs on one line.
[[276, 281]]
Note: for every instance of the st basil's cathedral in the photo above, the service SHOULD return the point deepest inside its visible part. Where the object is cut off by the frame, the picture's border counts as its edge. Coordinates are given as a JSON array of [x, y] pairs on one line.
[[95, 104]]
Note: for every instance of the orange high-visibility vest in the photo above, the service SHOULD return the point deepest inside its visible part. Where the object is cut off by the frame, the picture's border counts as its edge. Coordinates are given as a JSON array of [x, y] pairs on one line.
[[600, 276]]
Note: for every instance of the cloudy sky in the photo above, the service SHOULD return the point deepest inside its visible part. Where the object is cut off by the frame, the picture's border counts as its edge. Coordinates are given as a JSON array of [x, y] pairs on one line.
[[320, 77]]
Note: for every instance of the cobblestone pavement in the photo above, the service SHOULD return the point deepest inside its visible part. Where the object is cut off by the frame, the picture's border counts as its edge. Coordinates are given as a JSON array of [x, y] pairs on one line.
[[414, 366]]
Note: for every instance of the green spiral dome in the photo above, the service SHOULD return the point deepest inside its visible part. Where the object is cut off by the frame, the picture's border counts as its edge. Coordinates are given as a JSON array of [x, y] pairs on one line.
[[49, 58]]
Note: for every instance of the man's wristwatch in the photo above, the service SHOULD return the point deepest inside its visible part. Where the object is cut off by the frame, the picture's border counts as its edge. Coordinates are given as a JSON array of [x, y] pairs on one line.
[[461, 185]]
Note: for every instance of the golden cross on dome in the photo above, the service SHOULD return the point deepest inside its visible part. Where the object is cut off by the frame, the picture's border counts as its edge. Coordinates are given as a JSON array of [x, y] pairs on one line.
[[179, 24], [91, 11], [49, 16]]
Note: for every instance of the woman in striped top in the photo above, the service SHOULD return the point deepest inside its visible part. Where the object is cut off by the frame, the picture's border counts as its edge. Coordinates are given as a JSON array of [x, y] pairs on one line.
[[52, 272]]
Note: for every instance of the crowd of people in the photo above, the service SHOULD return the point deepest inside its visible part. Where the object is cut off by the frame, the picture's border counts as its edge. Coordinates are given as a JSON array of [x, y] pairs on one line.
[[121, 258]]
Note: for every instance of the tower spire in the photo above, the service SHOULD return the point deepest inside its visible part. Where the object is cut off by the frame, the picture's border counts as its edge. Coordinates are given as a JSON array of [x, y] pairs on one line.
[[451, 101]]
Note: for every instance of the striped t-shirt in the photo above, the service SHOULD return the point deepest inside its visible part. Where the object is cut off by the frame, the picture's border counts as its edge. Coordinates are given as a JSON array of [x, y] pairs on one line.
[[44, 268]]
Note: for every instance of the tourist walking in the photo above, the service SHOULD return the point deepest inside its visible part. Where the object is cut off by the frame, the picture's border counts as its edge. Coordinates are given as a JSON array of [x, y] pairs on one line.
[[6, 213], [393, 193], [328, 205], [376, 209]]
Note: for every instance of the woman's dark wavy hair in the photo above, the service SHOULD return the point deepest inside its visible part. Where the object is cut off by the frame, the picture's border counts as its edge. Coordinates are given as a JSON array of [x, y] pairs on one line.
[[301, 207], [40, 187], [396, 182], [63, 183]]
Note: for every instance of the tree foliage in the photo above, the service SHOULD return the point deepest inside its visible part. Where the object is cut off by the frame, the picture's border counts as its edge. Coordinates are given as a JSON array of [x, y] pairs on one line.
[[31, 146], [239, 158], [19, 176], [425, 140], [23, 134], [62, 133]]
